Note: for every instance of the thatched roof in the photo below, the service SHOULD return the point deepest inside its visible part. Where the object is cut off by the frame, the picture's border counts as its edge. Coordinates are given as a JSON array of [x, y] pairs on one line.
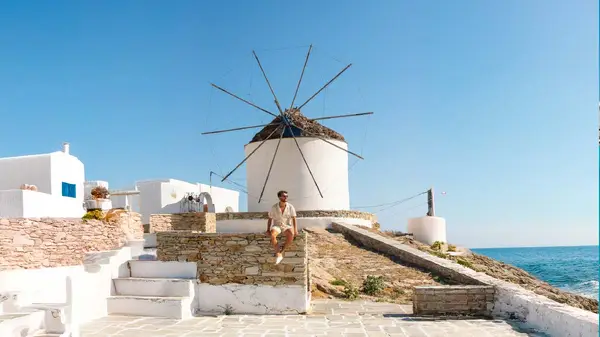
[[301, 121]]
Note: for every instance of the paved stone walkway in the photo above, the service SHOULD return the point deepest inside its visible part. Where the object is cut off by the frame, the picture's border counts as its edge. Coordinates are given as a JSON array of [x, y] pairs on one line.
[[329, 318]]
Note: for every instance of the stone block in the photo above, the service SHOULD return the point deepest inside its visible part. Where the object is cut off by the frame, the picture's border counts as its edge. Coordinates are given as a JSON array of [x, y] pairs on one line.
[[244, 258], [28, 243]]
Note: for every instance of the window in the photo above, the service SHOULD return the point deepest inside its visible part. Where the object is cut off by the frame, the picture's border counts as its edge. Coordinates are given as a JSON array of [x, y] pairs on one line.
[[68, 190]]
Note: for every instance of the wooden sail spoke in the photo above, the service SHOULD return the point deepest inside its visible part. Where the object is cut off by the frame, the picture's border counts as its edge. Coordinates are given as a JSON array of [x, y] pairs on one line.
[[268, 83], [305, 162], [271, 166], [341, 116], [301, 76], [237, 129], [243, 100], [325, 86], [328, 142], [251, 153]]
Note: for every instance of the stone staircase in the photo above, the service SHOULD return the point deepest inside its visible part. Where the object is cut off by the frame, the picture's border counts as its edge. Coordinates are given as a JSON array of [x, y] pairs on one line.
[[155, 289]]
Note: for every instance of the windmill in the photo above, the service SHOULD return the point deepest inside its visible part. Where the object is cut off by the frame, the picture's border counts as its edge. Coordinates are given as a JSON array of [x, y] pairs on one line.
[[290, 123]]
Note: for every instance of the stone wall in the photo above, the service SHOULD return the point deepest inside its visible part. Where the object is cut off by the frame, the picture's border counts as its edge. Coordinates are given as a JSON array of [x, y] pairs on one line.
[[510, 300], [235, 258], [409, 255], [202, 222], [300, 214], [28, 243], [453, 300]]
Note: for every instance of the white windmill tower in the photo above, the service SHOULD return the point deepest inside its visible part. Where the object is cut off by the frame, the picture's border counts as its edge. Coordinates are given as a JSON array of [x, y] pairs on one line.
[[296, 154]]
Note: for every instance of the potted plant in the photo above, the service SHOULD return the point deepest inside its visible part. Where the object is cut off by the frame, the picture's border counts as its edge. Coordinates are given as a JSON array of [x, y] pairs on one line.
[[100, 199]]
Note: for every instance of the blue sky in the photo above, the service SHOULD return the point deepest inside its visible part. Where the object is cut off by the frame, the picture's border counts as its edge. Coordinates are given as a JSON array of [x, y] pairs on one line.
[[493, 102]]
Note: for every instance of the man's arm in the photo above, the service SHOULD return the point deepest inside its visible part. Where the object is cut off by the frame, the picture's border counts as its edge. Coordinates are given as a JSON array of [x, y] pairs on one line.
[[270, 221], [293, 214], [295, 226]]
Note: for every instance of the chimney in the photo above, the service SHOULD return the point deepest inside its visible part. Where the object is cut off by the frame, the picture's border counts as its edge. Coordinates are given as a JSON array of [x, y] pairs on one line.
[[65, 148]]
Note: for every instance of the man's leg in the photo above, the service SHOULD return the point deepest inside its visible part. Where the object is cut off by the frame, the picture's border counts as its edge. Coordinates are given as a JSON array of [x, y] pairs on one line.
[[274, 233], [289, 238]]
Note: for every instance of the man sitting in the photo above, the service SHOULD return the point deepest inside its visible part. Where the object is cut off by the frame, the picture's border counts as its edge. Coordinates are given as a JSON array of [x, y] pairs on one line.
[[282, 213]]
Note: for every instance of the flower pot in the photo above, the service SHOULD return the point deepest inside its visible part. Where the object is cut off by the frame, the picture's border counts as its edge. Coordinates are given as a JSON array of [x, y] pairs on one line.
[[102, 204]]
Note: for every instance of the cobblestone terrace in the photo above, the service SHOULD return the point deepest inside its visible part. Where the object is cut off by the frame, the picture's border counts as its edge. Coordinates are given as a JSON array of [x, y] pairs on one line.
[[329, 318]]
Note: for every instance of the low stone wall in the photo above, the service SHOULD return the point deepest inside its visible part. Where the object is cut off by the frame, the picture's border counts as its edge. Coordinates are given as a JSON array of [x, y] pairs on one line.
[[235, 258], [28, 243], [510, 300], [453, 300], [300, 214], [407, 254], [202, 222]]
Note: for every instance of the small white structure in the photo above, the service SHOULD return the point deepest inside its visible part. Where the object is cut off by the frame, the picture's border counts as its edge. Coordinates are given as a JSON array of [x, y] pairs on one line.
[[164, 197], [58, 178], [328, 164], [428, 229]]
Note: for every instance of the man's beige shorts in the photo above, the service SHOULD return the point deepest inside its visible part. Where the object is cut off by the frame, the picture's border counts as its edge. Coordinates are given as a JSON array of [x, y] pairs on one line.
[[280, 229]]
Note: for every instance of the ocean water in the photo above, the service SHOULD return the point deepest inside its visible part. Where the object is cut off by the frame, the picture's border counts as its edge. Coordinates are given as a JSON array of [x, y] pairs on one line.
[[574, 269]]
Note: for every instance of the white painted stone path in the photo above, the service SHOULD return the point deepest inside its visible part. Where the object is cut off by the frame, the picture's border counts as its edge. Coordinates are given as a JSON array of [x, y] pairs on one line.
[[329, 318]]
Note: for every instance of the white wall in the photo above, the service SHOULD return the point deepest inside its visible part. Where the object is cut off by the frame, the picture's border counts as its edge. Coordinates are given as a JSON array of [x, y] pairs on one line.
[[164, 196], [47, 172], [125, 201], [328, 164], [11, 204], [91, 284], [260, 225], [31, 204], [32, 170], [222, 197], [67, 168], [427, 229], [251, 299]]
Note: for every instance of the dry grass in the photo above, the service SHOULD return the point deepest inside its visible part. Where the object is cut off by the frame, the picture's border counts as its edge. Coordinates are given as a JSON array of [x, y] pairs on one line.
[[335, 260]]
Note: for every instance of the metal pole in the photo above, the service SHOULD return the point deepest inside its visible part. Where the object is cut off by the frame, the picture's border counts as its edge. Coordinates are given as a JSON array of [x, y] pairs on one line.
[[430, 202]]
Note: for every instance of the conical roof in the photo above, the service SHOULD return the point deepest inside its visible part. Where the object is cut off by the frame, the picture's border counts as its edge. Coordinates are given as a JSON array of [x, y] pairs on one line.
[[299, 120]]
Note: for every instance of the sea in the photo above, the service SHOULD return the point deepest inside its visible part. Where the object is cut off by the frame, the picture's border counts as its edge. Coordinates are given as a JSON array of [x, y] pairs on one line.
[[573, 269]]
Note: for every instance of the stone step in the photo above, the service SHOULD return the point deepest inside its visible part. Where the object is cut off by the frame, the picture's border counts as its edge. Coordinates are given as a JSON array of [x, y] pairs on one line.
[[163, 269], [150, 306], [138, 286], [43, 333]]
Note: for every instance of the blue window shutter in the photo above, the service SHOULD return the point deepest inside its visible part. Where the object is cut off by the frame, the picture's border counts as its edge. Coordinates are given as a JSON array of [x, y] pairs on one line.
[[65, 189], [69, 190]]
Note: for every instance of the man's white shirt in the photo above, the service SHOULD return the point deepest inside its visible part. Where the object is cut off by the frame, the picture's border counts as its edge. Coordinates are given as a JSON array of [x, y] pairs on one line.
[[282, 219]]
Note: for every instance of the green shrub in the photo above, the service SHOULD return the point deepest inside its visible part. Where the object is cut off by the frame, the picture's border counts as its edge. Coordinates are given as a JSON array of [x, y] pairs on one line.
[[350, 291], [437, 245], [451, 248], [338, 282], [397, 292], [95, 215], [465, 263], [439, 254], [373, 285]]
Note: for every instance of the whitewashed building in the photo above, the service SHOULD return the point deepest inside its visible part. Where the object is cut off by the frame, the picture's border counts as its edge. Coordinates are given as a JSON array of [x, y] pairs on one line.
[[58, 178], [164, 196]]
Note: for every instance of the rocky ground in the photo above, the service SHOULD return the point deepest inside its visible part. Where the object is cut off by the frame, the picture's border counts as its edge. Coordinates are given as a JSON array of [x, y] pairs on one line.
[[505, 272], [339, 268]]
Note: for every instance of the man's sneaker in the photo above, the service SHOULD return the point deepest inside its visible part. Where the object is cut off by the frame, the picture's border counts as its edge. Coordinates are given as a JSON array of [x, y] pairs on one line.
[[278, 258]]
